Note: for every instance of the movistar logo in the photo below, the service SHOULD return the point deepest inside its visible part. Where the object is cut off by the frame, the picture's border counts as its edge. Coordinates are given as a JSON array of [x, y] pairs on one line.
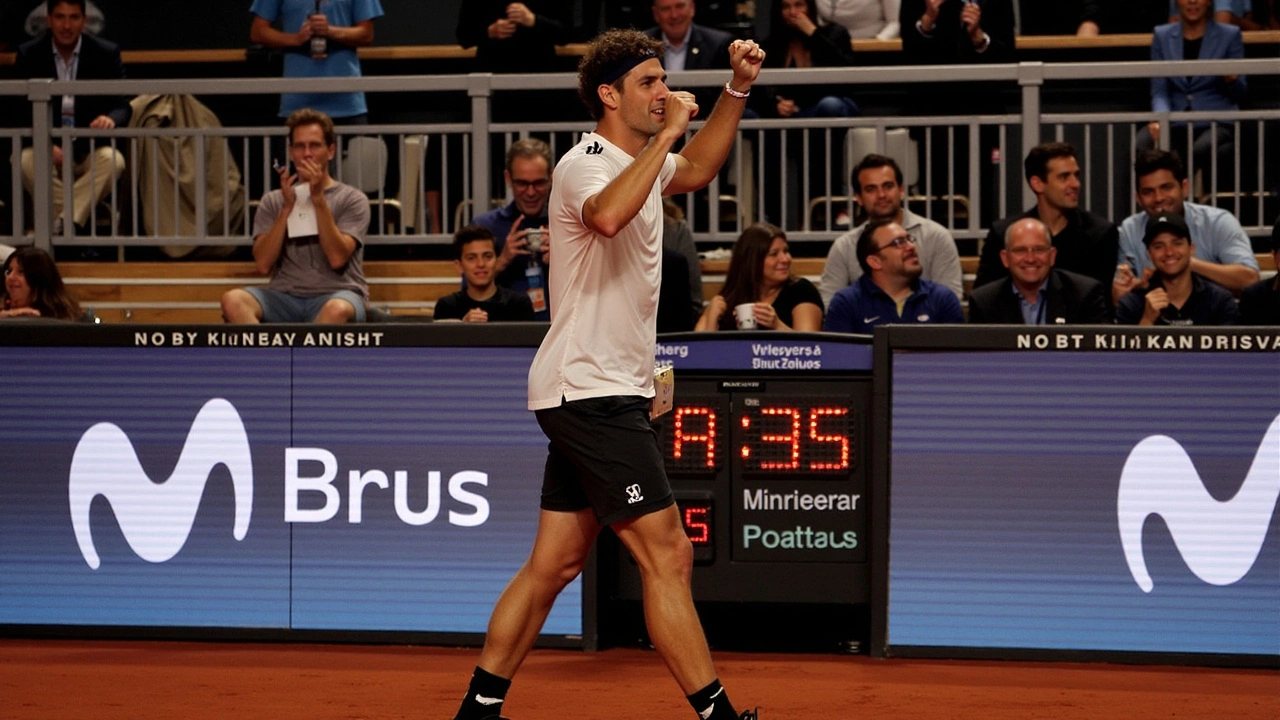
[[156, 517], [1219, 541]]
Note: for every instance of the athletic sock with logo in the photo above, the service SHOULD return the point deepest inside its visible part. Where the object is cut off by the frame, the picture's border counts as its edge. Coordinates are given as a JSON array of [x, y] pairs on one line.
[[712, 703], [484, 696]]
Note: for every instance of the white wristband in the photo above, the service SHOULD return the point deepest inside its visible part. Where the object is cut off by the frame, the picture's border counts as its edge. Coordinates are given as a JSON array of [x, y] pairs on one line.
[[735, 93]]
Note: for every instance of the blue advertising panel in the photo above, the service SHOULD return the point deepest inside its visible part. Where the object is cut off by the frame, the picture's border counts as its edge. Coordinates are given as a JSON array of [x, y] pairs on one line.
[[290, 488], [765, 351], [436, 469], [1108, 501], [136, 489]]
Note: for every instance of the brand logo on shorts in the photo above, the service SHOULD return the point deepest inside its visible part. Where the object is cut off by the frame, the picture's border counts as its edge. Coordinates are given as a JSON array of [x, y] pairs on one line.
[[633, 494]]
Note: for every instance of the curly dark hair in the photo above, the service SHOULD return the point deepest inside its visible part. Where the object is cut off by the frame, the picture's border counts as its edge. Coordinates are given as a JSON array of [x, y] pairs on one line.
[[608, 51]]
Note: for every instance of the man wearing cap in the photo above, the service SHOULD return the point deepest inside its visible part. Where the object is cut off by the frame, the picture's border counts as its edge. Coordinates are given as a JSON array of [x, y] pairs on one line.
[[1174, 294], [1260, 302], [1223, 252], [890, 289], [1034, 291]]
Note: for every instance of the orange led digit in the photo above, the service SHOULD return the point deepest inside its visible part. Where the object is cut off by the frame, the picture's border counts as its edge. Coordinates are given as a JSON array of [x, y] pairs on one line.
[[842, 440], [792, 438], [682, 435]]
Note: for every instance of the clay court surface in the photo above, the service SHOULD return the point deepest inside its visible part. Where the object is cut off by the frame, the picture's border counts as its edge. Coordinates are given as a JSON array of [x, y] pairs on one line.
[[63, 679]]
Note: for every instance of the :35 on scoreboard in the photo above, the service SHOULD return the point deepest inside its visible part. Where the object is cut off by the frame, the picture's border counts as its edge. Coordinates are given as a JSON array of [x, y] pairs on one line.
[[769, 477]]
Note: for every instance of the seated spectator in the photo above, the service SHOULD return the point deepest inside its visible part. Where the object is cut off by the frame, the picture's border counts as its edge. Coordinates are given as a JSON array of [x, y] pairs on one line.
[[760, 274], [515, 37], [954, 32], [33, 288], [1223, 252], [522, 266], [796, 41], [1175, 294], [1227, 12], [890, 289], [1034, 292], [309, 237], [862, 18], [877, 185], [943, 32], [678, 238], [1085, 242], [689, 46], [1194, 36], [482, 300], [675, 303], [1260, 302], [66, 52], [343, 24]]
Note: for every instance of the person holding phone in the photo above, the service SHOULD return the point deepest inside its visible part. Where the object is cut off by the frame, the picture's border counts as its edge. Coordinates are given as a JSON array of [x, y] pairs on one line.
[[308, 236]]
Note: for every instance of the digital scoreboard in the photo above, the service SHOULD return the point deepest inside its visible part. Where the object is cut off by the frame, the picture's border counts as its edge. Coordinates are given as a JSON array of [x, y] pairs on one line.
[[765, 448]]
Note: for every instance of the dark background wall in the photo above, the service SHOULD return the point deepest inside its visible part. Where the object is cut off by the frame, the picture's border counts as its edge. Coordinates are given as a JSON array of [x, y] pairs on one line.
[[163, 24]]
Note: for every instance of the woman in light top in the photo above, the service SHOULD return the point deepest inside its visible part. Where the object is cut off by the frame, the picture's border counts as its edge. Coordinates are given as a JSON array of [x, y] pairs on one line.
[[760, 275], [863, 19]]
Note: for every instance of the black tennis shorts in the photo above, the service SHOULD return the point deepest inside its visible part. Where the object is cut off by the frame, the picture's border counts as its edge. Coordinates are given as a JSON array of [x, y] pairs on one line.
[[603, 455]]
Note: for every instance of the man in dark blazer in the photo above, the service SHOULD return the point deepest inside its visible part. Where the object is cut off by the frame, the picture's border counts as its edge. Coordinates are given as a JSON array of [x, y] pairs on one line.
[[66, 52], [690, 46], [1196, 36], [1033, 293], [1084, 242]]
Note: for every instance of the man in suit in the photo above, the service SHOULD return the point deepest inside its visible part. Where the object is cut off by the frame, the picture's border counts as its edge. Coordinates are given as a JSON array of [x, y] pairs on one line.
[[689, 46], [1033, 292], [66, 52], [1196, 37], [1084, 242]]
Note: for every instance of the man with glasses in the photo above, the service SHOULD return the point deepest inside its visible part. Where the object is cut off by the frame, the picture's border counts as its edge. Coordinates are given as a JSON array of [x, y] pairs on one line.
[[520, 227], [308, 236], [877, 184], [1034, 292], [890, 289]]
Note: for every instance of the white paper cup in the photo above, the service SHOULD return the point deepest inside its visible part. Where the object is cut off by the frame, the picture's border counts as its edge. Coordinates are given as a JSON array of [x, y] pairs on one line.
[[534, 238], [745, 316]]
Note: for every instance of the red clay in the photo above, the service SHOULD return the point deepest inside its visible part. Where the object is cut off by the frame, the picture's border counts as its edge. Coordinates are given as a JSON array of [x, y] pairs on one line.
[[135, 680]]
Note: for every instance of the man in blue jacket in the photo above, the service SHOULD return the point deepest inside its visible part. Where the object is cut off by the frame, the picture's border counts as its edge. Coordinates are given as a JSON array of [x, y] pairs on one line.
[[890, 289], [1196, 36]]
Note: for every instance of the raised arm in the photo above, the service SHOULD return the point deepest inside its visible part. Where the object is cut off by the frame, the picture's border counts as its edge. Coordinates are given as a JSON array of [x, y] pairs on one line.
[[611, 209], [705, 153]]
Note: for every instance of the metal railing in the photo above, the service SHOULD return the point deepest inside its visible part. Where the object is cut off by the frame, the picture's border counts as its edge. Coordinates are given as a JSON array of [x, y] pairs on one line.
[[792, 171]]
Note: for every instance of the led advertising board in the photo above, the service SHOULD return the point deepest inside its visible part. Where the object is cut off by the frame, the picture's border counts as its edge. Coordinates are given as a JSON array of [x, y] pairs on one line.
[[1110, 491], [290, 488]]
